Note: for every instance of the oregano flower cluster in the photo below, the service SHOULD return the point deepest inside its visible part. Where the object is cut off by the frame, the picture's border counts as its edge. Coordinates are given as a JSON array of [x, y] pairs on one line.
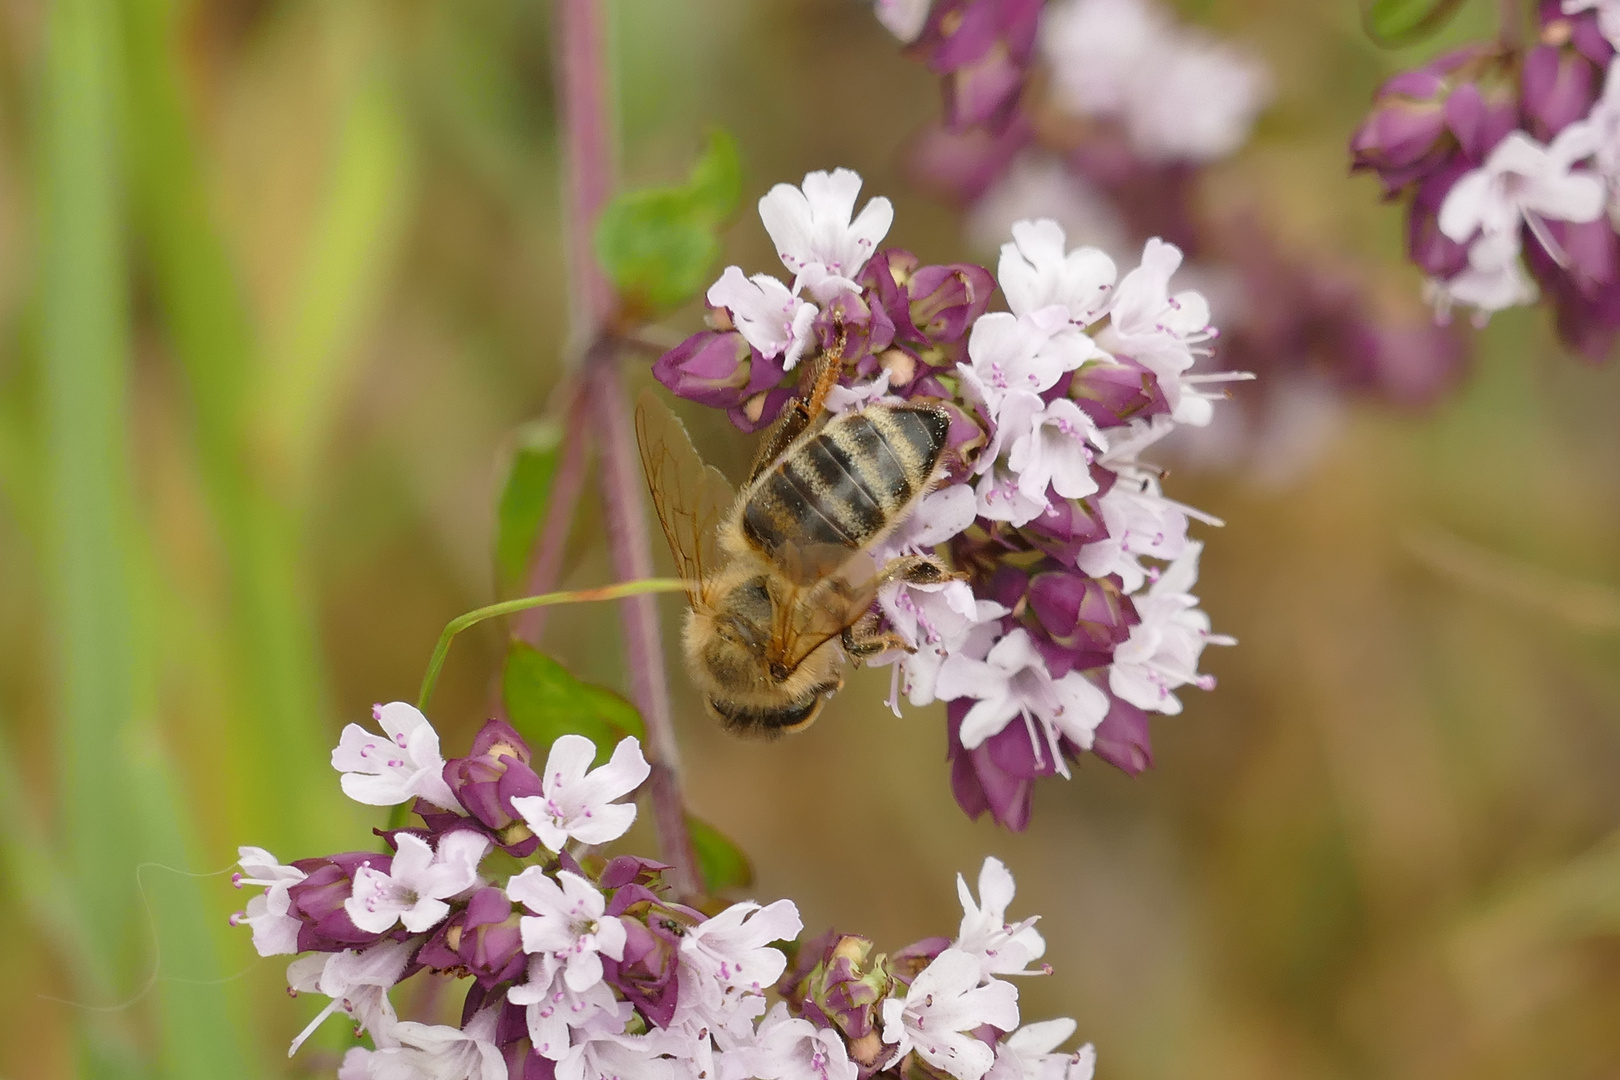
[[579, 966], [1073, 616], [1509, 159], [1108, 116]]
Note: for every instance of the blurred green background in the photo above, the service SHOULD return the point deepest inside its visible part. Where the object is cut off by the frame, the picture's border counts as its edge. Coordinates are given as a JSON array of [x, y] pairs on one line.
[[280, 283]]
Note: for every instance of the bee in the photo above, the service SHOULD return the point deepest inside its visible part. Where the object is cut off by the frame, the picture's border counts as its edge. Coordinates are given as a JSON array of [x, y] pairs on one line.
[[780, 578]]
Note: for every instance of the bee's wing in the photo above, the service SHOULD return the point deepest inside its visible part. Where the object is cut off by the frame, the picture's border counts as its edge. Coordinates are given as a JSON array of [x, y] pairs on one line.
[[814, 616], [690, 497]]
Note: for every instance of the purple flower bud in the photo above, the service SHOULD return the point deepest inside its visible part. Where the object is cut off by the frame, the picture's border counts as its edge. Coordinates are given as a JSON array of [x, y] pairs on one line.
[[1434, 252], [998, 775], [1122, 738], [631, 870], [839, 981], [489, 778], [317, 901], [1405, 134], [1411, 364], [760, 410], [523, 1063], [710, 368], [1085, 614], [1481, 114], [853, 327], [1585, 293], [965, 438], [647, 973], [1559, 86], [1115, 393], [481, 940], [945, 300]]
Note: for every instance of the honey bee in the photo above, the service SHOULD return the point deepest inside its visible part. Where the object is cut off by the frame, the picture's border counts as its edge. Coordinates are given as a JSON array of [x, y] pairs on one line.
[[780, 579]]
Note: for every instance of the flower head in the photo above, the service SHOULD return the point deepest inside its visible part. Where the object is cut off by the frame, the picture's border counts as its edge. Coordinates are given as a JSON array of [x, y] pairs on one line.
[[817, 233], [402, 766], [578, 802], [417, 882]]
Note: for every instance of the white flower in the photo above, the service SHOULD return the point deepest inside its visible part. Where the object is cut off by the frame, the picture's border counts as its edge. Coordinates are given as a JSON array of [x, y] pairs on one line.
[[1604, 120], [1165, 333], [1027, 1054], [1200, 102], [404, 766], [1608, 16], [419, 880], [577, 802], [1001, 499], [1490, 283], [432, 1052], [1163, 650], [936, 622], [815, 236], [786, 1048], [553, 1008], [768, 316], [731, 952], [1036, 272], [357, 983], [1031, 352], [943, 1003], [1002, 948], [1053, 452], [1038, 185], [568, 923], [657, 1055], [1013, 681], [1523, 181], [841, 398], [1140, 522], [274, 931], [904, 19]]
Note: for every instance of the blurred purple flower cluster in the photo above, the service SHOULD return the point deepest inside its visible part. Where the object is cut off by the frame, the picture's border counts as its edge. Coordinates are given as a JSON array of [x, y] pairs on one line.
[[1105, 115], [581, 967], [1057, 637], [1511, 157]]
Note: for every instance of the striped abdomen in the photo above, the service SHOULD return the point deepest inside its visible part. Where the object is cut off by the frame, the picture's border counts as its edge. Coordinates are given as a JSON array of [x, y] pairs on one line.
[[841, 488]]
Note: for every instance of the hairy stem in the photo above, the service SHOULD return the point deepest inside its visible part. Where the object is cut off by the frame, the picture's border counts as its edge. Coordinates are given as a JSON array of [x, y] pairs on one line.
[[632, 558], [545, 560], [588, 138]]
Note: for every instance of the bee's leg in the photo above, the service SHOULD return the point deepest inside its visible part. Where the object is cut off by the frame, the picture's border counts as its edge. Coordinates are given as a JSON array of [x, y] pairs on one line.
[[830, 365], [915, 570], [865, 639]]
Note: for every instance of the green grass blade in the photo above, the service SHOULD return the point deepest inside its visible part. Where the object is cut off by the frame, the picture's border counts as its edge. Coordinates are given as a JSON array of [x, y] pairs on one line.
[[85, 353], [276, 723], [201, 1039]]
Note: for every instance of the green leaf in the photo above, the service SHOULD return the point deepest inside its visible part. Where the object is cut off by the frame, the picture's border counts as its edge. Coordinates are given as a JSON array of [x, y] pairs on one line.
[[1392, 23], [659, 245], [544, 702], [721, 862], [523, 500]]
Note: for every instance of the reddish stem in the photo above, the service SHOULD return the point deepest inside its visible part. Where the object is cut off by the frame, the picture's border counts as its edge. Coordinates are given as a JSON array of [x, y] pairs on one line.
[[632, 560], [589, 147], [588, 135]]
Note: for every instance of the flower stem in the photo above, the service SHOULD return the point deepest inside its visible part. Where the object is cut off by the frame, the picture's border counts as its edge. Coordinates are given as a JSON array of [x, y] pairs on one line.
[[588, 141], [525, 603], [632, 558]]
